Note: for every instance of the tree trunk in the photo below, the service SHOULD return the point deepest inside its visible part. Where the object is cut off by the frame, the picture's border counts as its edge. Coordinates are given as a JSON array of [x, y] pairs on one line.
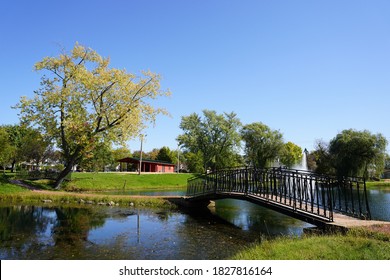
[[71, 160], [62, 176]]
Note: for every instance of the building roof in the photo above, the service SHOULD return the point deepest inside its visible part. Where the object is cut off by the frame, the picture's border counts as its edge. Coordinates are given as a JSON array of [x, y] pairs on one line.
[[137, 160]]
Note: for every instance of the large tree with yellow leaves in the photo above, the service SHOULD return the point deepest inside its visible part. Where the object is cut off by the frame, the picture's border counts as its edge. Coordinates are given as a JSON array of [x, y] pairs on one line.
[[83, 102]]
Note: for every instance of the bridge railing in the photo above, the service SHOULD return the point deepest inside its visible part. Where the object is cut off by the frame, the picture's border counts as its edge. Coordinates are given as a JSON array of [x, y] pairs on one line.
[[310, 192]]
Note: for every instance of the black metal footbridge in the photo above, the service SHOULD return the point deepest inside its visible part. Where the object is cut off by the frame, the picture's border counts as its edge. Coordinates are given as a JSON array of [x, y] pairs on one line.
[[308, 196]]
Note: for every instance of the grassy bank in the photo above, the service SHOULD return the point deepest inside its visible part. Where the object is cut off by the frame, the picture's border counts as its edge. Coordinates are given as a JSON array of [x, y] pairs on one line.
[[381, 183], [127, 181], [54, 198], [357, 244], [77, 190]]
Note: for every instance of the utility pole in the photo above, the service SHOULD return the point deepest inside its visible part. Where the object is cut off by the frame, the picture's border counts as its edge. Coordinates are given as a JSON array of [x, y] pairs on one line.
[[140, 157], [178, 159]]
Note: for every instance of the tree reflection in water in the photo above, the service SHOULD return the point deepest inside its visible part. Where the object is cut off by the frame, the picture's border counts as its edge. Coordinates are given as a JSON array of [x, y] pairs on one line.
[[31, 232], [73, 224]]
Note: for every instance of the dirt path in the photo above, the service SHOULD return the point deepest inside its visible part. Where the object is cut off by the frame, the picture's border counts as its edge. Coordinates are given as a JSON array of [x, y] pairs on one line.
[[22, 184]]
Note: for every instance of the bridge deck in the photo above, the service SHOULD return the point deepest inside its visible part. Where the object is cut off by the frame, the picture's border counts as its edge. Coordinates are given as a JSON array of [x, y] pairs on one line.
[[344, 221]]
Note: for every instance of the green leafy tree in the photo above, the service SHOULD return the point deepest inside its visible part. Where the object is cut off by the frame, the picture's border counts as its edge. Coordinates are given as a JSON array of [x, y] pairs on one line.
[[117, 154], [194, 162], [98, 159], [214, 137], [387, 161], [120, 152], [152, 154], [262, 144], [324, 161], [358, 153], [34, 147], [291, 154], [17, 135], [83, 102], [311, 161], [6, 149], [137, 154], [165, 154], [146, 155]]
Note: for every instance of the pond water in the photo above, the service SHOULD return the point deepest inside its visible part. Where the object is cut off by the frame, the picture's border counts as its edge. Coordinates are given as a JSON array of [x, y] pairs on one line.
[[379, 202], [31, 232]]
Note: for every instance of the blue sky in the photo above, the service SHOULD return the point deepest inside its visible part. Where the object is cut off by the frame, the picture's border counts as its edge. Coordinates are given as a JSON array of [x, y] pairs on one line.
[[307, 68]]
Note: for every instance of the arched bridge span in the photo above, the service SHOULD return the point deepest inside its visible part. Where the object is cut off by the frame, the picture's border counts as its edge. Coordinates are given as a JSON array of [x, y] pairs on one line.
[[314, 198]]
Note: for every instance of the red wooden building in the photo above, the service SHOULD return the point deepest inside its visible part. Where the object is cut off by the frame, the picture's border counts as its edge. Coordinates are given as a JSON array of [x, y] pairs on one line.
[[148, 165]]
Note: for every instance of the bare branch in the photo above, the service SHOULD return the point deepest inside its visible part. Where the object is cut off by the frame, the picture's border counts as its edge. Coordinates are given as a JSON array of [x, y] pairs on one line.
[[119, 119], [101, 105], [55, 72]]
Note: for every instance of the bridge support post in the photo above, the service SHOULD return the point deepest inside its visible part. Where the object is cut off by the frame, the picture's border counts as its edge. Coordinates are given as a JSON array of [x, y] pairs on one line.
[[246, 181]]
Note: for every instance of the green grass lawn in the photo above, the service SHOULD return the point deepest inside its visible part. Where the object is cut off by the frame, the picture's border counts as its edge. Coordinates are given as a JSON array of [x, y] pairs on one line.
[[116, 181], [355, 245], [96, 182], [8, 188]]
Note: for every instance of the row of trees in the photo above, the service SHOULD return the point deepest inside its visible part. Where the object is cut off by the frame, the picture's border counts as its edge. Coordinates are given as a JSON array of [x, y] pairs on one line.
[[214, 140], [24, 144], [21, 146]]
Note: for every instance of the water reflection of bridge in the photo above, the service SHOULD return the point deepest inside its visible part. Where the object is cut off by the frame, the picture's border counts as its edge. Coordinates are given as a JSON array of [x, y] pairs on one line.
[[314, 198]]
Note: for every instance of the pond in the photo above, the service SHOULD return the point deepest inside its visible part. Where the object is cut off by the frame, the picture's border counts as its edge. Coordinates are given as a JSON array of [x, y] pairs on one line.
[[29, 232], [32, 232]]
